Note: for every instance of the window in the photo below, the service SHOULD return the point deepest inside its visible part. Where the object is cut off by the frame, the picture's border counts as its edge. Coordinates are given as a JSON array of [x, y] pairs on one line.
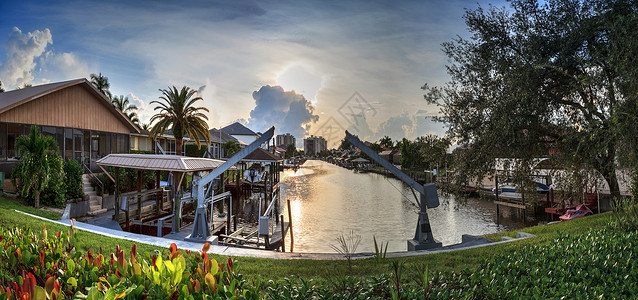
[[68, 143], [105, 145], [78, 138], [87, 146], [13, 131], [3, 141], [95, 145], [124, 145]]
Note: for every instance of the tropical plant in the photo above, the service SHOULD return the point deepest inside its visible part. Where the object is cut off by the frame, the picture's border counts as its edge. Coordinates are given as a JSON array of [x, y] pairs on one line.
[[178, 113], [146, 126], [347, 245], [55, 192], [130, 111], [231, 147], [101, 83], [386, 141], [73, 182], [36, 265], [379, 251], [33, 172]]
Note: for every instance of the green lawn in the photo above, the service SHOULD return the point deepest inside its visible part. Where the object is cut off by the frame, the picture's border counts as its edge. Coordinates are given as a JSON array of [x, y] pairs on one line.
[[268, 269]]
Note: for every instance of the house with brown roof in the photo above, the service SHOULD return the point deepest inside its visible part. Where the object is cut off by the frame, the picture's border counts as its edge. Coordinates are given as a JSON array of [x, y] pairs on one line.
[[83, 122]]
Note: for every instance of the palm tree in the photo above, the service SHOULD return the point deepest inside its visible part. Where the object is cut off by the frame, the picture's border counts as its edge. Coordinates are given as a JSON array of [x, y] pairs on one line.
[[102, 84], [130, 111], [34, 169], [146, 126], [177, 112]]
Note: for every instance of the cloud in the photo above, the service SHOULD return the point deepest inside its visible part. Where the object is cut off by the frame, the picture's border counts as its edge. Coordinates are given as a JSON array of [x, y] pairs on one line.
[[409, 126], [288, 111], [144, 111], [63, 66], [21, 52]]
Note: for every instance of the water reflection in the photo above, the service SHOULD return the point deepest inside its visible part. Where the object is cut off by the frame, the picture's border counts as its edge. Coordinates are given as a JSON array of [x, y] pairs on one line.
[[327, 200]]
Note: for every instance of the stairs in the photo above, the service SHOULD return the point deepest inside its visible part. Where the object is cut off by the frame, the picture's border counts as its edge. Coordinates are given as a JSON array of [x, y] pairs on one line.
[[95, 201]]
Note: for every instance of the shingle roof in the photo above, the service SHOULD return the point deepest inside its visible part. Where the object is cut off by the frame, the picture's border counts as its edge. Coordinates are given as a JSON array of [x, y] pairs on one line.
[[238, 129], [261, 155], [159, 162], [225, 137], [12, 99]]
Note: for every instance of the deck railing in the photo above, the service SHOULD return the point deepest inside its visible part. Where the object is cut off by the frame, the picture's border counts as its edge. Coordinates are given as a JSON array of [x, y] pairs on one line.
[[93, 176]]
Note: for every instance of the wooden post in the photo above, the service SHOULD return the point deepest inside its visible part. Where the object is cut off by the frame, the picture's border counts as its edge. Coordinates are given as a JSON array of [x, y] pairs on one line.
[[283, 235], [524, 206], [116, 194], [139, 195], [292, 239], [228, 214], [159, 197], [496, 193]]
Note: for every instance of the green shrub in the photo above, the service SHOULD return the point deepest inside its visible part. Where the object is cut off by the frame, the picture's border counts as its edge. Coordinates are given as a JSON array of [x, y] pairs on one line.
[[38, 265], [193, 151], [73, 182], [55, 192]]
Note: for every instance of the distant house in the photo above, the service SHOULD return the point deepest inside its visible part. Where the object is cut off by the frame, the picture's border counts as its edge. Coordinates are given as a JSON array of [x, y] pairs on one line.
[[393, 156], [217, 141], [240, 132], [142, 142], [83, 122]]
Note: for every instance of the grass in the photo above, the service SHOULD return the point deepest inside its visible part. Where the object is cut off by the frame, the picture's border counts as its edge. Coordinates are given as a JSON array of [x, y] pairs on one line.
[[271, 269]]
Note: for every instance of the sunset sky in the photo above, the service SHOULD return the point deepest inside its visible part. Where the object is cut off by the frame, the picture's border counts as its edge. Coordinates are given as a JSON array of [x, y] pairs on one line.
[[355, 65]]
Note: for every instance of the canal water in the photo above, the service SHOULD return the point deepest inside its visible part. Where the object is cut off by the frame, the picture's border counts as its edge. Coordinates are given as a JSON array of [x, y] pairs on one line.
[[328, 200]]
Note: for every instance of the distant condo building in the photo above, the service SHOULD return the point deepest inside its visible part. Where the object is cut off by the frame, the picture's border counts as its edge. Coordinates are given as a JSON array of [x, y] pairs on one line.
[[314, 145], [285, 140]]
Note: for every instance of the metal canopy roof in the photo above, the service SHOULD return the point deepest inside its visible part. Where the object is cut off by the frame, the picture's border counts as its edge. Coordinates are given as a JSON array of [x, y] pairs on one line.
[[160, 162]]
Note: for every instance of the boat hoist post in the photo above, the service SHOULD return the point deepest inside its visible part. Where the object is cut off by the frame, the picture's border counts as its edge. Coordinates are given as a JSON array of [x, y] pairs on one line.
[[429, 198], [201, 231]]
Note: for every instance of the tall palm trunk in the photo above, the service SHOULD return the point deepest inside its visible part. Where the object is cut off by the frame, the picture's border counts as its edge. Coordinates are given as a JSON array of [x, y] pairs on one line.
[[178, 145], [37, 200]]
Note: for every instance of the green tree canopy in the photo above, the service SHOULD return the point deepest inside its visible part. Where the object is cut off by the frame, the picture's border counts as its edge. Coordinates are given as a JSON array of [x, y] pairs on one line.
[[291, 150], [538, 76], [37, 155], [130, 111], [386, 141], [101, 83], [178, 113], [231, 147]]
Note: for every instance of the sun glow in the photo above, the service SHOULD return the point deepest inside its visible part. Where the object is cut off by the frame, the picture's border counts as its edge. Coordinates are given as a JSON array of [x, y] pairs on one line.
[[302, 79]]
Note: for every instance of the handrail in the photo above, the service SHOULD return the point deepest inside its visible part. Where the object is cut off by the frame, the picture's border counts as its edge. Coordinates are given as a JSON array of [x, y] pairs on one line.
[[91, 174], [270, 206]]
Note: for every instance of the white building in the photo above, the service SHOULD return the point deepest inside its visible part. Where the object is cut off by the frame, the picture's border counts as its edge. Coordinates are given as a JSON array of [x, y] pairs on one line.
[[314, 145]]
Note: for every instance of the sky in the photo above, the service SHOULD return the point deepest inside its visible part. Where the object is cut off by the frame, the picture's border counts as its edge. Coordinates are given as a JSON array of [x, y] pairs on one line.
[[305, 67]]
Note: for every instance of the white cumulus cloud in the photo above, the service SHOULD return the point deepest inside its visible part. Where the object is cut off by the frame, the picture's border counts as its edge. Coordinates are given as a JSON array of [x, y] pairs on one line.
[[22, 50], [288, 111]]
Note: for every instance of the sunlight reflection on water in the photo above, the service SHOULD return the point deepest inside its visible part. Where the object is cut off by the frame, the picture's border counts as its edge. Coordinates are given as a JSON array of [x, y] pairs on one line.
[[327, 200]]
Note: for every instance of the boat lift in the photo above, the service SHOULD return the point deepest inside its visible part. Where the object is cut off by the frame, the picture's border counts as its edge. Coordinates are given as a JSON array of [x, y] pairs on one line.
[[429, 198], [201, 231]]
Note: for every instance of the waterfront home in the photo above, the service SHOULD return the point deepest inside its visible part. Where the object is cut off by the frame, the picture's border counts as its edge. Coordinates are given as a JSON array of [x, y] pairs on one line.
[[241, 132], [83, 122]]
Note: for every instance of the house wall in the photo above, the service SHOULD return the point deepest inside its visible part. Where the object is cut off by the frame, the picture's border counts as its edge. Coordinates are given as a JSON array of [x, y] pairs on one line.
[[72, 107]]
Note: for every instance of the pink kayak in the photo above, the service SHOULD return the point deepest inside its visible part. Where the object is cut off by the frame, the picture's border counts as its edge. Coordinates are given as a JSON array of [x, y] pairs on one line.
[[580, 211]]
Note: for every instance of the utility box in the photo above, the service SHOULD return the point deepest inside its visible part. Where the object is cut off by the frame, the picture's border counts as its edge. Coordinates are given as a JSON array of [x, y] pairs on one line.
[[263, 226], [1, 181]]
